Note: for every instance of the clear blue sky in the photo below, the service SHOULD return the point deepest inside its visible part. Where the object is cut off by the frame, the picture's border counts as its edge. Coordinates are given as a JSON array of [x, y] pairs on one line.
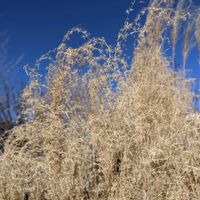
[[36, 26]]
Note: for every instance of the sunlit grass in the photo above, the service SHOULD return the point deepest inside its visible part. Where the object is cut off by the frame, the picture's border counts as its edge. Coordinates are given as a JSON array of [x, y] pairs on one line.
[[82, 139]]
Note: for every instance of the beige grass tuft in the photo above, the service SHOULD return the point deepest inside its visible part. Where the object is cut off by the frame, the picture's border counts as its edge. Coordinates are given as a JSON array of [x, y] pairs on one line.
[[82, 140]]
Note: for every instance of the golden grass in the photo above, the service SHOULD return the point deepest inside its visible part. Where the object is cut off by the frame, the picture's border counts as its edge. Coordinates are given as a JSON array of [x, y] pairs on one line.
[[81, 140]]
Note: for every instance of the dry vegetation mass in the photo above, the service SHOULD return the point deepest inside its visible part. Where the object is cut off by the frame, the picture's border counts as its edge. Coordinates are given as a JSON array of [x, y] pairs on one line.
[[96, 130]]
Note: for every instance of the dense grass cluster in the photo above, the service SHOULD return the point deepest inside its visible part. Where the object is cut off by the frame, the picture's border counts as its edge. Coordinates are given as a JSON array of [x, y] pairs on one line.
[[96, 130]]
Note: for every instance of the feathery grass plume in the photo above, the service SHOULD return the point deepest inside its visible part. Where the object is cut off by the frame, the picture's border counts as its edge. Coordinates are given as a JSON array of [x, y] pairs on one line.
[[84, 140], [197, 29], [191, 35], [187, 43], [180, 15]]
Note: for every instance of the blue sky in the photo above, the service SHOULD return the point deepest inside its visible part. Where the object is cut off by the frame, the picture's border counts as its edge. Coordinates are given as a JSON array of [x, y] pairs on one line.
[[36, 26]]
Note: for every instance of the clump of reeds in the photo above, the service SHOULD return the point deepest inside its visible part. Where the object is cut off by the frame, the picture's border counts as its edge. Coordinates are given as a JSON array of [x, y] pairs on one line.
[[96, 130]]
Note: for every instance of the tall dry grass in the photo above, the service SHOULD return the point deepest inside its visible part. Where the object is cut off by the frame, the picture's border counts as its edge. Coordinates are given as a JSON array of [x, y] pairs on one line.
[[84, 140]]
